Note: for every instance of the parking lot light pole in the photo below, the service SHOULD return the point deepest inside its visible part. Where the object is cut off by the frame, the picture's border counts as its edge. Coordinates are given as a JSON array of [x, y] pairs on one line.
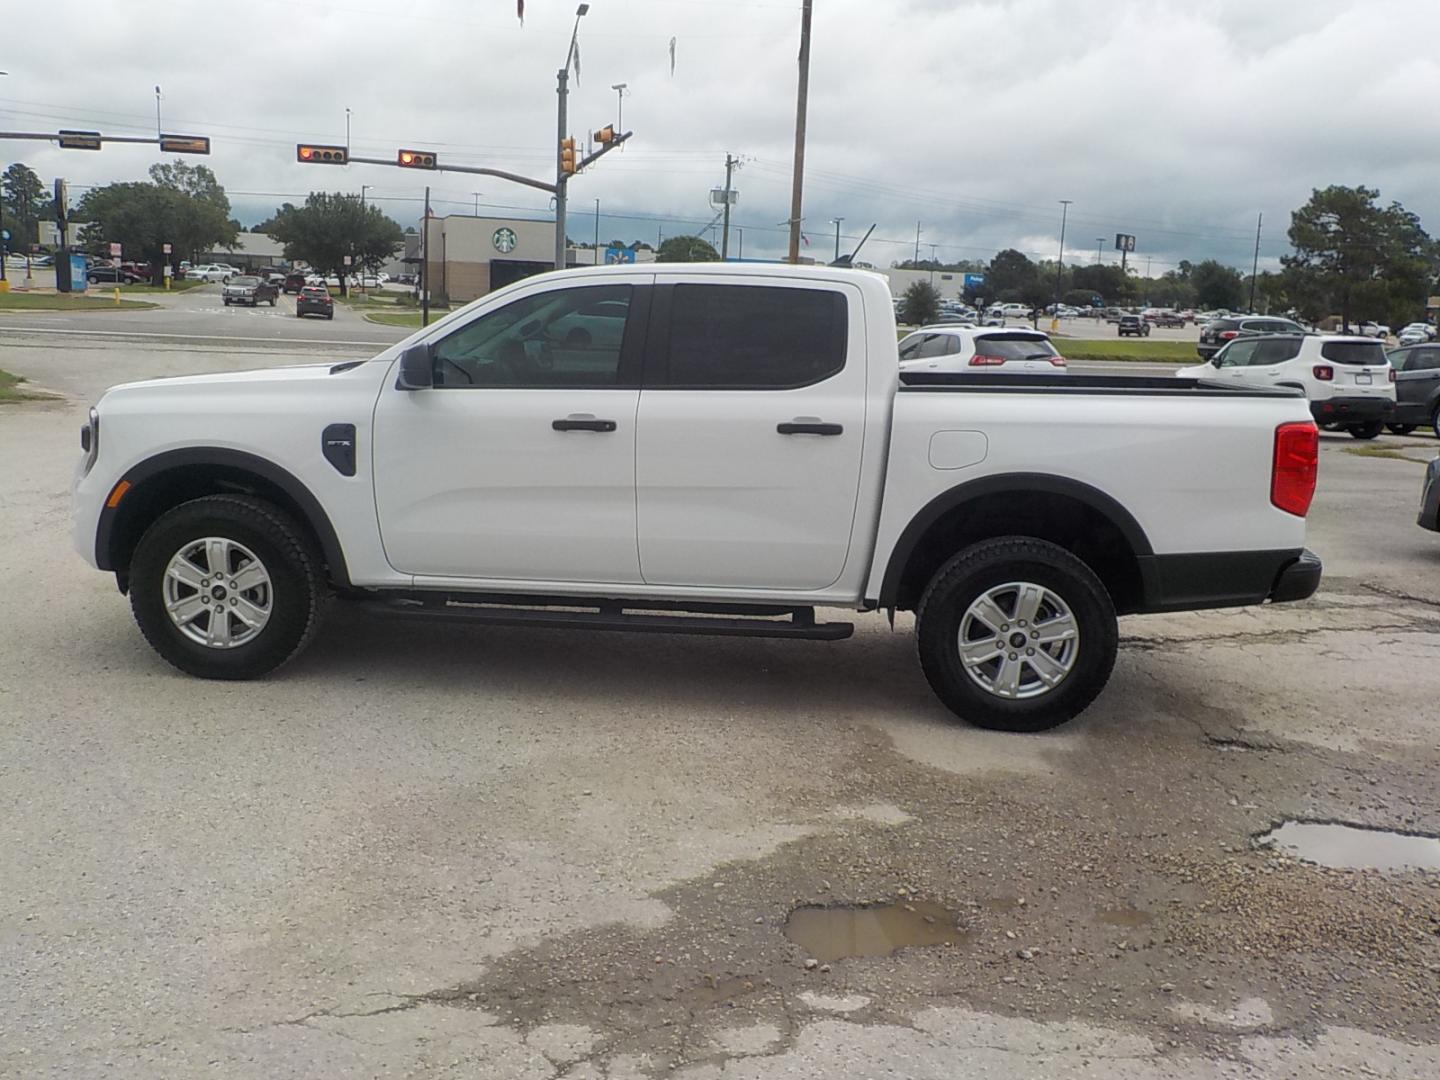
[[1060, 263], [1099, 250]]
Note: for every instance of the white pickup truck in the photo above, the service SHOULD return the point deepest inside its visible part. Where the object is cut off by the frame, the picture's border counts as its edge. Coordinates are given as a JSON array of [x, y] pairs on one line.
[[696, 449]]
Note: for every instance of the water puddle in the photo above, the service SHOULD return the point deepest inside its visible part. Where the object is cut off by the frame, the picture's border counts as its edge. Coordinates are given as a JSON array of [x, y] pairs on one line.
[[1125, 916], [834, 933], [1353, 847]]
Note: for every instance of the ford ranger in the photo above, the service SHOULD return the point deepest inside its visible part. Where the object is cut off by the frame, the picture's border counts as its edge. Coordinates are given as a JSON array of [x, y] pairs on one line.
[[701, 449]]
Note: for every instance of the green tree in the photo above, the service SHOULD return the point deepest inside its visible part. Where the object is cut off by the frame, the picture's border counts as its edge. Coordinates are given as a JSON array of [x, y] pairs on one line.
[[1366, 260], [686, 249], [331, 226], [24, 202], [182, 205], [920, 304], [1217, 286], [1008, 276]]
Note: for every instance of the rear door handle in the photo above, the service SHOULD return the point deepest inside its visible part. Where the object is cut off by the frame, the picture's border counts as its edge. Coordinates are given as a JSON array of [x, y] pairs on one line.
[[806, 426], [582, 423]]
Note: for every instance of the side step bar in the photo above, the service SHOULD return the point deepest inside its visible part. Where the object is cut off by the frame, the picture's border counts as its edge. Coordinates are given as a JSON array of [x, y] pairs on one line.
[[608, 616]]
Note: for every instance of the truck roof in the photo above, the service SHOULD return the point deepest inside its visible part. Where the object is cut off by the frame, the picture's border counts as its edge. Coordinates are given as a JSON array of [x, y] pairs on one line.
[[734, 269]]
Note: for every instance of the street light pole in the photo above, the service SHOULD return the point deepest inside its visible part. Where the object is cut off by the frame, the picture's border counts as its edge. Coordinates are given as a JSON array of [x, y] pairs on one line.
[[1060, 263], [1099, 250], [836, 222], [619, 89], [477, 195], [347, 131], [562, 91]]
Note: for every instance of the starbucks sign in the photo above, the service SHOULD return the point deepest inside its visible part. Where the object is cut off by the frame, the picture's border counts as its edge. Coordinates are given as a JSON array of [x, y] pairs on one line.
[[504, 240]]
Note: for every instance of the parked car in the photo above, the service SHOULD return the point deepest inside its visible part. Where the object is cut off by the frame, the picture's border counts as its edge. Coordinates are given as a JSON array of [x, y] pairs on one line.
[[314, 300], [1014, 311], [1373, 329], [979, 350], [1165, 318], [1417, 388], [295, 281], [124, 275], [1416, 333], [1215, 334], [782, 467], [248, 289], [1132, 326], [1347, 380], [210, 272]]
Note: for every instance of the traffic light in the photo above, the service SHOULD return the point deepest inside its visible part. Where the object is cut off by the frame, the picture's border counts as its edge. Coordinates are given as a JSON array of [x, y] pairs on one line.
[[567, 156], [79, 140], [415, 159], [606, 135], [322, 155], [185, 144]]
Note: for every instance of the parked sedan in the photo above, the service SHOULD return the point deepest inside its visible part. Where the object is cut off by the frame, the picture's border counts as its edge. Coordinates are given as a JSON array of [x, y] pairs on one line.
[[980, 351], [314, 300], [295, 282], [124, 275], [248, 289], [1417, 389], [1220, 332]]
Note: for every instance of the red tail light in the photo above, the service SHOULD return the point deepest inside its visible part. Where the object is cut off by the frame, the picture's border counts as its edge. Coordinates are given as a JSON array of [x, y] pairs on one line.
[[1323, 372], [1392, 374], [980, 360], [1226, 335], [1057, 361], [1293, 471]]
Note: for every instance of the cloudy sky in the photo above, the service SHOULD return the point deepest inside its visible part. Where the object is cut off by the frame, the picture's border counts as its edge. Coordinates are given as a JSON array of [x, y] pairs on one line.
[[1175, 120]]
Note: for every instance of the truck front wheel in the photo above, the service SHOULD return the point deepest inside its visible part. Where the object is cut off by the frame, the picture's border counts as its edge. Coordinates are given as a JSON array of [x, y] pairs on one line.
[[1016, 634], [226, 587]]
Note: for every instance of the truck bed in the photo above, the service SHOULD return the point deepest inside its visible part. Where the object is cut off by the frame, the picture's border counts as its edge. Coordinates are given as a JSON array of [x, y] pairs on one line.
[[1140, 385]]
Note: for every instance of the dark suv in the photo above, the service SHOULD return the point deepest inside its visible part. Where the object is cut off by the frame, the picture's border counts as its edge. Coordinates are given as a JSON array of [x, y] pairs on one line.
[[294, 282], [1133, 325], [1216, 335]]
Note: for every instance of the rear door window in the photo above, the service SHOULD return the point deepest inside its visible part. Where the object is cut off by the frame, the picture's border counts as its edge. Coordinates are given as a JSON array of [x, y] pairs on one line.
[[1399, 359], [1274, 351], [1364, 353], [754, 337], [1425, 360], [923, 346]]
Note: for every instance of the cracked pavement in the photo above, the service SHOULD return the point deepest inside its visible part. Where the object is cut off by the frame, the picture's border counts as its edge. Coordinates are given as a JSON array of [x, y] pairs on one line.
[[481, 852]]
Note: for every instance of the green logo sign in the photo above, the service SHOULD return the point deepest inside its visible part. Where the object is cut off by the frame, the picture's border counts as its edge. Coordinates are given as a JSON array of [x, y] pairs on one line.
[[504, 240]]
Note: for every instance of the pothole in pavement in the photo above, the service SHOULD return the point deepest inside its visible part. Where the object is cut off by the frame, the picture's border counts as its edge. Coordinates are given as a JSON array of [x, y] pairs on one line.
[[1353, 847], [829, 933]]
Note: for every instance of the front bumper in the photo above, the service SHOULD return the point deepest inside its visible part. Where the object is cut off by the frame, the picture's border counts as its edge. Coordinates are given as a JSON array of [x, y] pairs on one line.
[[1195, 582], [1430, 498], [1351, 410]]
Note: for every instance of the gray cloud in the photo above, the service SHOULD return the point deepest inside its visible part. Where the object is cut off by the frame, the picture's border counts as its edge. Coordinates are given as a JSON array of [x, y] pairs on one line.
[[1177, 121]]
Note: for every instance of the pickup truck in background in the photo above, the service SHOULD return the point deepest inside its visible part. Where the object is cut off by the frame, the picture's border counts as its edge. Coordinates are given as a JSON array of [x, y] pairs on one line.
[[701, 449]]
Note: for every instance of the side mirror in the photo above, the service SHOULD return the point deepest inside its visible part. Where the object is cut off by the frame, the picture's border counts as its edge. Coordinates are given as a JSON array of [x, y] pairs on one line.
[[417, 369], [1215, 359]]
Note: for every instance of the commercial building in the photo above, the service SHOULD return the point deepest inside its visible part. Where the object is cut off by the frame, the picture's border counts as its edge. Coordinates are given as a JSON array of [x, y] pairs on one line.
[[470, 256]]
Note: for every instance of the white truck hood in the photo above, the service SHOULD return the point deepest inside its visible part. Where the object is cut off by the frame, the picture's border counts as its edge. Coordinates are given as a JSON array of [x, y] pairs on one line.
[[253, 379]]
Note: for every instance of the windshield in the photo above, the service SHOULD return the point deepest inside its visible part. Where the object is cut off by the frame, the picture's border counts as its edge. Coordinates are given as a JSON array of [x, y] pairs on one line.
[[245, 281], [1015, 346], [1354, 352]]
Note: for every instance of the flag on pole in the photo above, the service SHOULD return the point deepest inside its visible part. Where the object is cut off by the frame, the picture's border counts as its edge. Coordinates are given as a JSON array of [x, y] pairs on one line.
[[577, 63], [672, 57], [805, 238], [520, 11]]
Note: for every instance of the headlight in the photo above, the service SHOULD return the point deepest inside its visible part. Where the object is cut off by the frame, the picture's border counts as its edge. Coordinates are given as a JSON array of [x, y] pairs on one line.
[[90, 439]]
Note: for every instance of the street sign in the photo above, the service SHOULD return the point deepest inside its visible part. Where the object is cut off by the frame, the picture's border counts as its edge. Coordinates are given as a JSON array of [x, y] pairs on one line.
[[4, 234], [115, 251], [79, 140], [184, 144], [616, 254], [974, 281], [347, 260], [165, 248], [1124, 242], [719, 196]]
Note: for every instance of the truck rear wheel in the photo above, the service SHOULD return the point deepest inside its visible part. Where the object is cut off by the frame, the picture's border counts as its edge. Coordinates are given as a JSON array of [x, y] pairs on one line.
[[1016, 634], [226, 587]]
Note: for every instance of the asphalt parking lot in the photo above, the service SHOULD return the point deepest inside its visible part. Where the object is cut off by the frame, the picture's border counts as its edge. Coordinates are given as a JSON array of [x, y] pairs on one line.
[[506, 853]]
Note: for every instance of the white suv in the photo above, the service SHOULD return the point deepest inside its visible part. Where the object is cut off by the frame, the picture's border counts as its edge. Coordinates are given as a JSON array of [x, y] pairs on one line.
[[1347, 380], [980, 351]]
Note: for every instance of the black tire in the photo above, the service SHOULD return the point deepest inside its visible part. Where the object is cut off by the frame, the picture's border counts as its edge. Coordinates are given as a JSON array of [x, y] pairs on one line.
[[226, 301], [1367, 430], [1400, 429], [983, 567], [272, 301], [296, 589], [330, 315], [1435, 421], [93, 279]]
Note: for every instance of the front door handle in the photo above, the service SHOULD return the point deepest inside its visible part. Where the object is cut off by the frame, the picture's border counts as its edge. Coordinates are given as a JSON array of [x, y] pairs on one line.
[[804, 425], [582, 423]]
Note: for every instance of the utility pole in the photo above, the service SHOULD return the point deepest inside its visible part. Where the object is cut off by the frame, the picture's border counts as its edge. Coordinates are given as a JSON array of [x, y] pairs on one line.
[[725, 232], [597, 232], [562, 91], [933, 248], [1099, 250], [1255, 264], [836, 222], [802, 100], [741, 231], [917, 245], [477, 195], [158, 128], [1060, 264], [425, 262]]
